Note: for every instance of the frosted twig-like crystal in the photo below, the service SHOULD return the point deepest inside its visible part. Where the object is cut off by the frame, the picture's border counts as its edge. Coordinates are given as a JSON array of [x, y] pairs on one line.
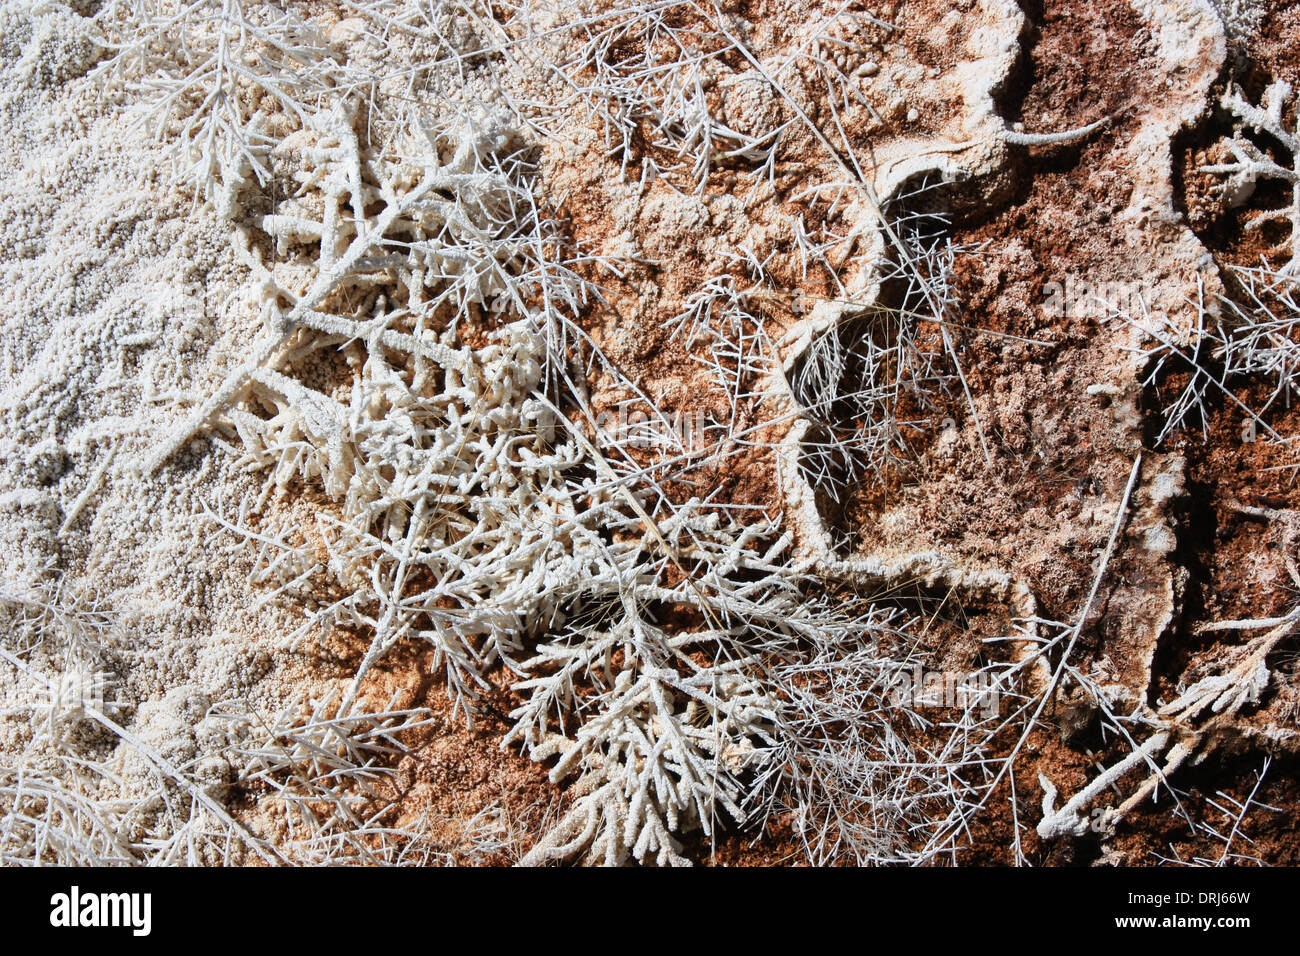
[[1250, 163]]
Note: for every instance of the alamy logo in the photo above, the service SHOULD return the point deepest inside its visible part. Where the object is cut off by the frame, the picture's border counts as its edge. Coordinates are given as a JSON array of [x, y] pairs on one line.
[[74, 909], [924, 689], [1081, 298], [687, 430]]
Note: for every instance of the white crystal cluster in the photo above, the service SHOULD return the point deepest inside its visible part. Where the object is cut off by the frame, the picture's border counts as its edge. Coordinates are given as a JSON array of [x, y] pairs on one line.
[[469, 513], [1250, 163]]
